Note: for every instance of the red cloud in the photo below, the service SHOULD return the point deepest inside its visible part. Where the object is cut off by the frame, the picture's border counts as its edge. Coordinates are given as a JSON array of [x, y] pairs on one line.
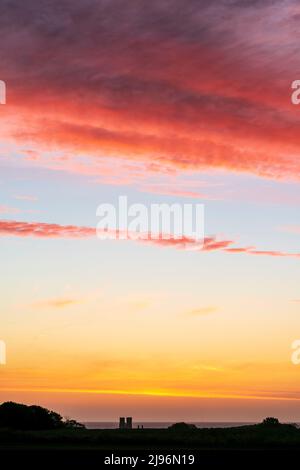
[[44, 230], [212, 91]]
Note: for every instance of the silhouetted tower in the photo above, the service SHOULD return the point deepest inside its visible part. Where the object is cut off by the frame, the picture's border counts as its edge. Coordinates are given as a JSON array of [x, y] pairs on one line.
[[129, 423], [122, 424]]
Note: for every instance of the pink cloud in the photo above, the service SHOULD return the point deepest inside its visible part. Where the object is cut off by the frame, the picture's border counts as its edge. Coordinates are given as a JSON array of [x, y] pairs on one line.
[[291, 229], [211, 244], [8, 210], [43, 230], [25, 197]]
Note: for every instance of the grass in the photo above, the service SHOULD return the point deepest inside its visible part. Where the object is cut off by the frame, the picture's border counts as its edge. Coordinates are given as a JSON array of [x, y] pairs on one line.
[[244, 437]]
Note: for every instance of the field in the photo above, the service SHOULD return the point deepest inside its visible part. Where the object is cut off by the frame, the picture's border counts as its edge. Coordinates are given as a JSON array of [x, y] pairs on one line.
[[244, 446]]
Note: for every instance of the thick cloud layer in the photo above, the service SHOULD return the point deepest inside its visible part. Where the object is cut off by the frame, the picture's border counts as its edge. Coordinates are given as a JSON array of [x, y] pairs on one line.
[[193, 84]]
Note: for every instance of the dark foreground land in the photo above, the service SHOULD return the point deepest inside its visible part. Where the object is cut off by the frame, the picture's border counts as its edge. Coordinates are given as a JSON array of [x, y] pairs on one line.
[[35, 437], [281, 436], [240, 447]]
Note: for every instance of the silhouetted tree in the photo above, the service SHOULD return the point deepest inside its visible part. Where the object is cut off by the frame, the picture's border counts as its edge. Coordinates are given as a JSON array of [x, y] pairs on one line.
[[71, 423], [271, 422], [182, 427], [17, 416]]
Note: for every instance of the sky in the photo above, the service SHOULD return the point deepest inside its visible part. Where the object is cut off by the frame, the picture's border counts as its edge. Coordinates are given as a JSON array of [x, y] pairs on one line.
[[164, 102]]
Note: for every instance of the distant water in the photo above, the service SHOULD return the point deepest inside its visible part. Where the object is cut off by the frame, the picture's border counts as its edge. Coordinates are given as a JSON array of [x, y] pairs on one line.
[[162, 424]]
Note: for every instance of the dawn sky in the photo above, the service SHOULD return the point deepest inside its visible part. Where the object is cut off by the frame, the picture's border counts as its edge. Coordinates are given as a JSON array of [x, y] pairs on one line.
[[109, 98]]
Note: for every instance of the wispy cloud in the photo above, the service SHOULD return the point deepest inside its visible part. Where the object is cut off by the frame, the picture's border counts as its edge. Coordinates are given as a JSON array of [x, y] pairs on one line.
[[211, 244], [291, 228], [55, 303], [44, 230], [8, 210], [25, 197], [202, 311]]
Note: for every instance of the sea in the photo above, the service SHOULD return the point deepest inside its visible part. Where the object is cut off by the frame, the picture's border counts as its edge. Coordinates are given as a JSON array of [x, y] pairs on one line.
[[163, 424]]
